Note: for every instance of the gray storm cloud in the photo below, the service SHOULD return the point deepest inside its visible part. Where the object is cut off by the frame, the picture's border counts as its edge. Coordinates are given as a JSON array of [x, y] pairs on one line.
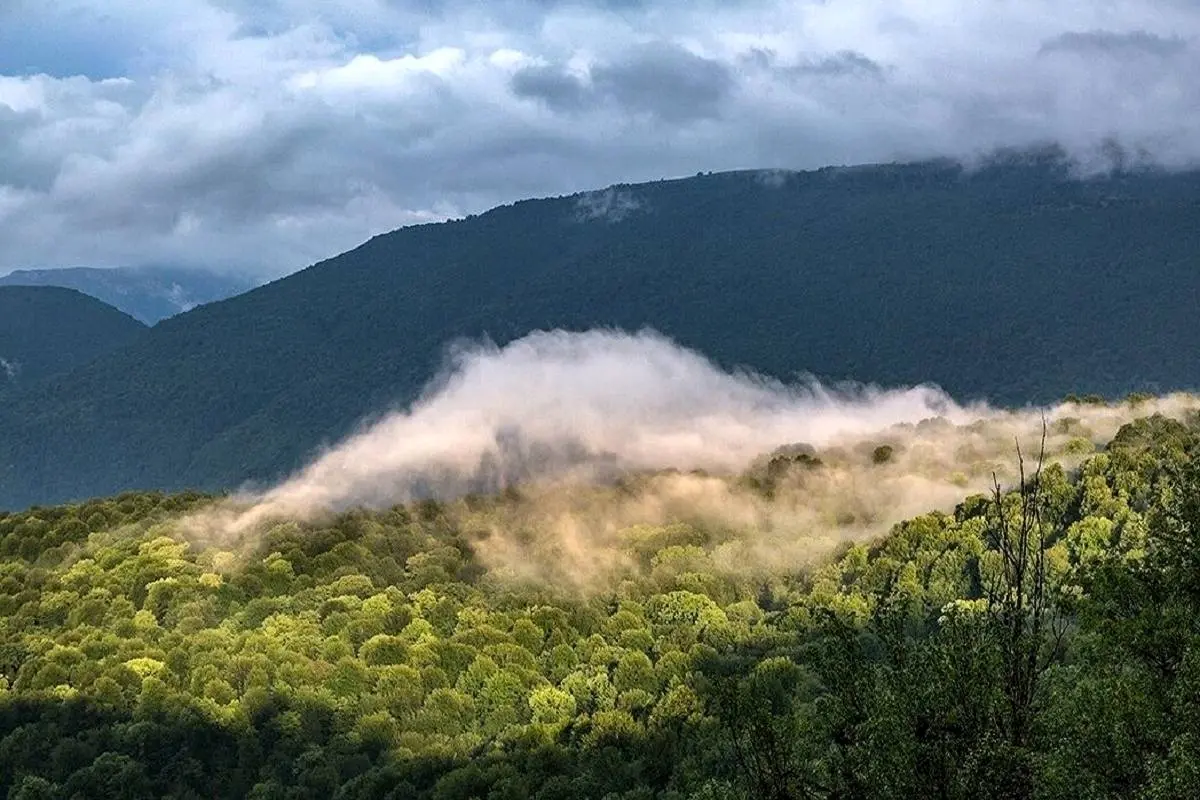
[[205, 130], [558, 409]]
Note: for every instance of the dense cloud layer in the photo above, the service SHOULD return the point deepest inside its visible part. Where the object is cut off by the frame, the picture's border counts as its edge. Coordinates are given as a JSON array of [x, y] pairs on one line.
[[226, 131], [554, 410], [556, 404]]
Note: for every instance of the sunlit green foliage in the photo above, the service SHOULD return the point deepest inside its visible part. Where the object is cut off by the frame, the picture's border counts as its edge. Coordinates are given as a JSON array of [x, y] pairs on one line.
[[374, 654]]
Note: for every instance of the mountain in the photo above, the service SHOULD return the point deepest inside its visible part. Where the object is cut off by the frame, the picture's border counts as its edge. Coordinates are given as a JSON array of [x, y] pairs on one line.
[[1013, 281], [147, 293], [45, 330]]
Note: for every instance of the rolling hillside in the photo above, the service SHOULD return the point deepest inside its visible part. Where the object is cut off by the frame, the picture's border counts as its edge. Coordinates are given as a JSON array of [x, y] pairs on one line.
[[1014, 282], [46, 330], [698, 655], [149, 294]]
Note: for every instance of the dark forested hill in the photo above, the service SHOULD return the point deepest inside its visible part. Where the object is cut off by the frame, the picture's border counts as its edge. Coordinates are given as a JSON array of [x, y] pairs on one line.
[[44, 330], [146, 293], [1013, 281]]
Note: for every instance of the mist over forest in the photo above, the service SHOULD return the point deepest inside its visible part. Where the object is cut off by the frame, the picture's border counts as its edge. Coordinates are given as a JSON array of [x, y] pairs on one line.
[[855, 483], [599, 399], [600, 564], [823, 423], [923, 597]]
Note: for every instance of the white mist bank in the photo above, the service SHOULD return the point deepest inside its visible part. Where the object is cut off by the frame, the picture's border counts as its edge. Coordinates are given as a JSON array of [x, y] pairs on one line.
[[559, 407]]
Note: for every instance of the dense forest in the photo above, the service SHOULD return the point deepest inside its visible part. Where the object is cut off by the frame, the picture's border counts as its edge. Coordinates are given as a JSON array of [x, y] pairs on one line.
[[49, 330], [1015, 280], [1039, 642]]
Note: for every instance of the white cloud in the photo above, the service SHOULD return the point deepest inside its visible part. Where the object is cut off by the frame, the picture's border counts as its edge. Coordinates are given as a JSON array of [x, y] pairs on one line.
[[273, 134], [392, 76]]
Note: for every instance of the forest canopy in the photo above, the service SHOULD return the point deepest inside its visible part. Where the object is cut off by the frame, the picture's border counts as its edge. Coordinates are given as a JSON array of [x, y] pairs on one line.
[[1039, 641]]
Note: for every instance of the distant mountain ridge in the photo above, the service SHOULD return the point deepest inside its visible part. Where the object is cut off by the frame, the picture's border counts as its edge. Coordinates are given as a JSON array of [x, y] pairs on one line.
[[149, 294], [45, 330], [1014, 281]]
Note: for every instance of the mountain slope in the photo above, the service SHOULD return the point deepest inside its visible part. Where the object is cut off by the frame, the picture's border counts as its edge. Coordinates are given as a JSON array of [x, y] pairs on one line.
[[146, 293], [1014, 282], [45, 330]]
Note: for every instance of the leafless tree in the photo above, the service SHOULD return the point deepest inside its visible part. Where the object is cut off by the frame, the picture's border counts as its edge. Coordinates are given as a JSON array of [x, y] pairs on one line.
[[1020, 599]]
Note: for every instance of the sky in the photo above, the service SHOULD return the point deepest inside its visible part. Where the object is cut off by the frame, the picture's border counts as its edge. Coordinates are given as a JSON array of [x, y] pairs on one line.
[[265, 136]]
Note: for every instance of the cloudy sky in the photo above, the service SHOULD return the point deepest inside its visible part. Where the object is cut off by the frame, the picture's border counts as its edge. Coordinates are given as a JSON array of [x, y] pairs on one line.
[[267, 135]]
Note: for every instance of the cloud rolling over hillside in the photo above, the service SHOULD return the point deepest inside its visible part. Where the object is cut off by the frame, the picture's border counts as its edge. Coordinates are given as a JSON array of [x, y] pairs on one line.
[[555, 410]]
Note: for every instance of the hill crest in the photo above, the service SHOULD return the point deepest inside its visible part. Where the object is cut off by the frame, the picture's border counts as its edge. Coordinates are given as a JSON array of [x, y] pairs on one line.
[[1012, 281], [46, 330]]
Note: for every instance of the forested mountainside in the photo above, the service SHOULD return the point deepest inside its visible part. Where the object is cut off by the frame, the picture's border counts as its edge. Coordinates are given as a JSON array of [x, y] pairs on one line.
[[1014, 281], [148, 294], [1046, 645], [46, 330]]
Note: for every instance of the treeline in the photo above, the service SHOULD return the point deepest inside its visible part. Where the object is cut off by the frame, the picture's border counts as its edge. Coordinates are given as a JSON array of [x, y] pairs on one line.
[[1042, 643]]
